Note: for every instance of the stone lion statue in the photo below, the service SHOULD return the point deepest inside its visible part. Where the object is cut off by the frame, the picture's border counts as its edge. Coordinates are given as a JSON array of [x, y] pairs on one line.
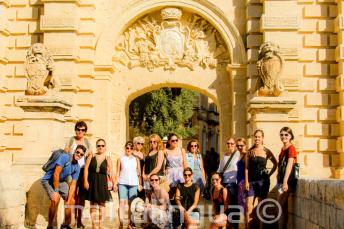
[[269, 66], [39, 66]]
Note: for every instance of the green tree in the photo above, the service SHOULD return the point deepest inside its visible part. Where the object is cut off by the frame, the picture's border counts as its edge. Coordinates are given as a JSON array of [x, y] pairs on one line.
[[162, 112]]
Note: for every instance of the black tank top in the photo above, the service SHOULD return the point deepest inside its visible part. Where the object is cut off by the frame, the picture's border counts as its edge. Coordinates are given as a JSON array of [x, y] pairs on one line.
[[151, 162], [187, 195]]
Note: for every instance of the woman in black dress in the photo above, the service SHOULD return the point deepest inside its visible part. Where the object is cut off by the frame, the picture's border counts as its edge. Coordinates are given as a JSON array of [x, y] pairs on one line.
[[96, 170]]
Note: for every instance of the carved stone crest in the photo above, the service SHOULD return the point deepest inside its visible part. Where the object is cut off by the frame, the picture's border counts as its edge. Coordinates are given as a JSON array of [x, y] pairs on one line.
[[270, 64], [169, 40], [39, 66]]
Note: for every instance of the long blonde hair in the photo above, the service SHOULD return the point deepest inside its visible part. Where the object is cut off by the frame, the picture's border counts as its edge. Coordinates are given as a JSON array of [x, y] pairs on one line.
[[158, 141]]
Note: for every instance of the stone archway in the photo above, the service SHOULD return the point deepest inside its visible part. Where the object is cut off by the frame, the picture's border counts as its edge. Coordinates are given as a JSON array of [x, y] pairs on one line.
[[206, 55]]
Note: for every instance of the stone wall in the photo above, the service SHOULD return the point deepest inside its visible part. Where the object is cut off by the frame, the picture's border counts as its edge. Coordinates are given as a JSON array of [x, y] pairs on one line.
[[317, 204]]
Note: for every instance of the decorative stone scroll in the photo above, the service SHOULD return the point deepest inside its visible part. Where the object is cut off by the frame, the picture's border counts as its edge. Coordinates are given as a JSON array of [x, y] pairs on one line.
[[169, 40], [270, 64], [39, 66]]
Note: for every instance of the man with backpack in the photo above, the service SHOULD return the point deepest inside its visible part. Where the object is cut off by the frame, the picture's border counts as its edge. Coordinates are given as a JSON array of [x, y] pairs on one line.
[[62, 172]]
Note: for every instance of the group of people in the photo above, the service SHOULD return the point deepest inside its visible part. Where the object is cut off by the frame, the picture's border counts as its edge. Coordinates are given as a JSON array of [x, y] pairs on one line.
[[168, 175]]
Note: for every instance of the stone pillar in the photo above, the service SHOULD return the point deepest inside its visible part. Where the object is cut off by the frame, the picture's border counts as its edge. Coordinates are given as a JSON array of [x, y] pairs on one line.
[[339, 28], [4, 33], [238, 90]]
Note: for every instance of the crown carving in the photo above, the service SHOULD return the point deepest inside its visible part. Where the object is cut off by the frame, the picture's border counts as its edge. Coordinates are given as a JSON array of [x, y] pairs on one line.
[[171, 14]]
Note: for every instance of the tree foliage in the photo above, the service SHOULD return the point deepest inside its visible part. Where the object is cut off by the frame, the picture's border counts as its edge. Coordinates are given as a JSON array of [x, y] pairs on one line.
[[162, 112]]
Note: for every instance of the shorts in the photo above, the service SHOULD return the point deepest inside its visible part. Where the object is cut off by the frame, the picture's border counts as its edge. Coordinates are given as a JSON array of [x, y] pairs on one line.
[[257, 189], [127, 192], [63, 188]]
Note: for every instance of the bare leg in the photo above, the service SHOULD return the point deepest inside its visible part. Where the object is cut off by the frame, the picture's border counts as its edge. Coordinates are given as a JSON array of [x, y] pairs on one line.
[[52, 212], [93, 211], [122, 207], [249, 209], [101, 215], [80, 209], [68, 211]]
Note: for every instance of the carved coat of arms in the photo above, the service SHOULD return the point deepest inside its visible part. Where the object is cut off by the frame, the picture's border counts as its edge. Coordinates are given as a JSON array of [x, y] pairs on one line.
[[39, 66], [172, 42], [270, 66]]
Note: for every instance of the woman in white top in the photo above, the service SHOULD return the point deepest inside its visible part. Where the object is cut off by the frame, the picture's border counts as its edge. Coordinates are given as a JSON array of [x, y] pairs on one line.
[[80, 192], [128, 179]]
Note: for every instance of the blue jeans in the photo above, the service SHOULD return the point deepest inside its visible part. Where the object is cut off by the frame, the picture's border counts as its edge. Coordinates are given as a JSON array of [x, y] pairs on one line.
[[127, 192]]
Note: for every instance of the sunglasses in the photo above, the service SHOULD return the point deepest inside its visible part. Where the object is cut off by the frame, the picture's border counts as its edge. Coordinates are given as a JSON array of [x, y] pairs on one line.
[[285, 135], [240, 146], [215, 179], [82, 130], [100, 146], [80, 153], [192, 146], [230, 143], [174, 140], [140, 143], [154, 180], [187, 174], [153, 142], [128, 147]]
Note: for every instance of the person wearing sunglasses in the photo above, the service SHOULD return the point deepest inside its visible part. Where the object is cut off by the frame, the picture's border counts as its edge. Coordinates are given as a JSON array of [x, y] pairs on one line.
[[128, 180], [97, 167], [176, 163], [157, 204], [257, 176], [219, 198], [286, 160], [60, 181], [195, 162], [80, 192], [140, 155], [154, 162], [187, 198], [241, 146]]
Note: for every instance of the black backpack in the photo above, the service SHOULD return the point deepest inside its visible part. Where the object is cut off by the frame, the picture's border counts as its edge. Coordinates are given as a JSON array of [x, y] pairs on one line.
[[49, 165]]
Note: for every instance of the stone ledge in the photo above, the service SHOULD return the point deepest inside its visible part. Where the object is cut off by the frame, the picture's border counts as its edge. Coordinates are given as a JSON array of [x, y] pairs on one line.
[[279, 23], [270, 104], [49, 23], [43, 104]]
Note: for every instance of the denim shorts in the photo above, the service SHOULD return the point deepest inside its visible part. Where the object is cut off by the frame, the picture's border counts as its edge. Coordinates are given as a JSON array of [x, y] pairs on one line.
[[127, 192], [63, 188]]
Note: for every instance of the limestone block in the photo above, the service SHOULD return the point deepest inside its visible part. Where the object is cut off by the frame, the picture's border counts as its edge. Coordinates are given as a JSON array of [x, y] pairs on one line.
[[254, 40], [317, 129], [279, 22], [308, 25], [315, 40], [316, 69], [325, 26], [334, 130], [86, 55], [340, 83], [327, 114], [327, 145], [309, 144], [252, 55], [334, 99], [24, 41], [28, 13], [333, 69], [19, 27], [85, 69], [317, 99], [315, 11], [340, 53], [34, 27], [86, 41], [254, 11], [87, 27], [309, 84], [252, 70], [326, 55], [253, 26], [308, 54], [339, 23], [18, 3], [58, 23], [327, 84], [36, 2], [17, 55], [309, 114], [87, 13], [333, 11], [333, 40]]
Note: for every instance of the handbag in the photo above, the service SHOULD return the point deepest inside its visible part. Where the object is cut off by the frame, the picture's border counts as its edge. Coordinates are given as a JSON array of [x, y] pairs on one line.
[[225, 167], [294, 174], [110, 182]]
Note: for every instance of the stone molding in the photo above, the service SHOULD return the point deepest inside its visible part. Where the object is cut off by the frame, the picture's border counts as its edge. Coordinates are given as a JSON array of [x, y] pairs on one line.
[[43, 104], [270, 105], [339, 23], [279, 22], [64, 53], [58, 23]]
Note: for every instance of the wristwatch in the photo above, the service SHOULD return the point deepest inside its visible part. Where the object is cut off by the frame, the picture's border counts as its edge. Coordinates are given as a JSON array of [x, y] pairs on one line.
[[56, 190]]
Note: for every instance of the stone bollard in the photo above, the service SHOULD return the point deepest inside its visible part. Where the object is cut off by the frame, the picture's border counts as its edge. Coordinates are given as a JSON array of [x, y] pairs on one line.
[[12, 199]]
